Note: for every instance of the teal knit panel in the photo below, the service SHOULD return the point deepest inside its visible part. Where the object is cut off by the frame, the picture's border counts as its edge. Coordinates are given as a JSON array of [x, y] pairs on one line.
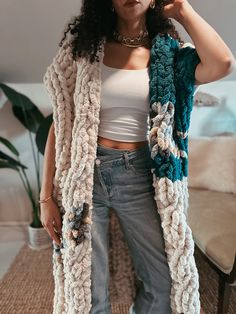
[[161, 69], [172, 78], [186, 61]]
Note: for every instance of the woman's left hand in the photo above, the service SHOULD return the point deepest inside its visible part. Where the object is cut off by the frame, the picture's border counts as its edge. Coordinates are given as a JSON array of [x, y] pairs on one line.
[[172, 8]]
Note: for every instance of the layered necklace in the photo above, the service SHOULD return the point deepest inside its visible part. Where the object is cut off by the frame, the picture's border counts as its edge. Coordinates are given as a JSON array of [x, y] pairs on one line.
[[141, 40]]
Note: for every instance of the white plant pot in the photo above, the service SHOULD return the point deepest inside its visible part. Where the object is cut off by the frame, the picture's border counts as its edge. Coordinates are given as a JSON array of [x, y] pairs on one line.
[[38, 238]]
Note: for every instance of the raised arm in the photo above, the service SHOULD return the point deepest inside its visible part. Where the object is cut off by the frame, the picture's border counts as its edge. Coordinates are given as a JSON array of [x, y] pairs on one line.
[[217, 59]]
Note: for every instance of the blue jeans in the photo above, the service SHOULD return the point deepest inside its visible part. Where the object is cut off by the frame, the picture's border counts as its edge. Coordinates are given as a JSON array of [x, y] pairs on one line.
[[123, 181]]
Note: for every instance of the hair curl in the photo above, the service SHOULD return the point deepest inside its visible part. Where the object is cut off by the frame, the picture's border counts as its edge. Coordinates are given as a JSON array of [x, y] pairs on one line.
[[97, 20]]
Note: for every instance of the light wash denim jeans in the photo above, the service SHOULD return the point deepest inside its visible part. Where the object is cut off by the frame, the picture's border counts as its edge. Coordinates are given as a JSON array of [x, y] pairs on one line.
[[123, 181]]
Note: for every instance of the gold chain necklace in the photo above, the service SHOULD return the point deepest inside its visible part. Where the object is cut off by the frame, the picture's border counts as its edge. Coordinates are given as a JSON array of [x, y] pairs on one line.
[[141, 40]]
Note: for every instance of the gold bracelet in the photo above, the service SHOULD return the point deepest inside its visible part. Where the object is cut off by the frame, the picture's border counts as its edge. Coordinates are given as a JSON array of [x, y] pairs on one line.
[[45, 200]]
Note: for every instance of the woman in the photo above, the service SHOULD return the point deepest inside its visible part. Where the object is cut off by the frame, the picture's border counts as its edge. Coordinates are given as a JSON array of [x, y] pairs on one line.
[[122, 173]]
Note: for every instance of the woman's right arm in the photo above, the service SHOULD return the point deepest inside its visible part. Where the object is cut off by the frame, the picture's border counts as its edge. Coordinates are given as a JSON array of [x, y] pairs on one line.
[[49, 210]]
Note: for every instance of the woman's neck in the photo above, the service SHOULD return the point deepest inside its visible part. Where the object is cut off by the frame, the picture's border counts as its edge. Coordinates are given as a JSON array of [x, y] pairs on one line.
[[130, 28]]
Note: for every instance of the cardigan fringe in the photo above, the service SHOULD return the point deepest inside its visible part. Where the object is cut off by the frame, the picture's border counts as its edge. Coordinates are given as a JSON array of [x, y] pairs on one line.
[[74, 88]]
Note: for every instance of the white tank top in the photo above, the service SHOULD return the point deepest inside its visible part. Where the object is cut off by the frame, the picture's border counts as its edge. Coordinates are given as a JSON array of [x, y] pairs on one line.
[[124, 113]]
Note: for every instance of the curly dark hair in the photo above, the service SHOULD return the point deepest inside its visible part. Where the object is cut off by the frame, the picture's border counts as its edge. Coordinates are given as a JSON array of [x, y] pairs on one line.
[[97, 20]]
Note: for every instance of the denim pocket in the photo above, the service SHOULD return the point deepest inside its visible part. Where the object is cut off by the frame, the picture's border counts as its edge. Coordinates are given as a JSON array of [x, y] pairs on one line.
[[141, 165]]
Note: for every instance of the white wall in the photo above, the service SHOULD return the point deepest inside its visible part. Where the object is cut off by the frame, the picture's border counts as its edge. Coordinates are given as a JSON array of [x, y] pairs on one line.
[[30, 32]]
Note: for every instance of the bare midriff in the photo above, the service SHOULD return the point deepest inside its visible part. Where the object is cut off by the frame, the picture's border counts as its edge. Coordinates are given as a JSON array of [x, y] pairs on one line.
[[120, 145]]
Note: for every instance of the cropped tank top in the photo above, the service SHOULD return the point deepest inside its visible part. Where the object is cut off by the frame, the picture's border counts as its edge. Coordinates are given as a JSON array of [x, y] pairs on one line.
[[124, 112]]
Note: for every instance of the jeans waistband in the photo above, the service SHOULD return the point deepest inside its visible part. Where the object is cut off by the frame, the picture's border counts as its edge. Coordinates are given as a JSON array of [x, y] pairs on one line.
[[105, 152]]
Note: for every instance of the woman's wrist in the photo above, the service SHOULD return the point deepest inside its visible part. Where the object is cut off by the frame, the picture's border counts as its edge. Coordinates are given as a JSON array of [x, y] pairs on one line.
[[44, 199], [46, 190], [184, 12]]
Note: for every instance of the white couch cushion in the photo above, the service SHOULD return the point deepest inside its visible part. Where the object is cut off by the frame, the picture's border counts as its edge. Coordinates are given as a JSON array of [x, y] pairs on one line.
[[212, 163]]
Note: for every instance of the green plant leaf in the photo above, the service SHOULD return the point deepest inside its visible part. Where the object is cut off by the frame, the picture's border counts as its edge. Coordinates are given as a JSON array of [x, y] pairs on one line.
[[42, 133], [11, 160], [23, 108], [9, 145], [6, 164]]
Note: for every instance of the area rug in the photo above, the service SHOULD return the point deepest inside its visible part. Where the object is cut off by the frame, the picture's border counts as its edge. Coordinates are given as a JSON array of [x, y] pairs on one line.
[[27, 287]]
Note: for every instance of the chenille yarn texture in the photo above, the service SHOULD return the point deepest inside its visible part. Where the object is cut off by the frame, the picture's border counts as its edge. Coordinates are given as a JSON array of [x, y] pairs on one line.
[[74, 88]]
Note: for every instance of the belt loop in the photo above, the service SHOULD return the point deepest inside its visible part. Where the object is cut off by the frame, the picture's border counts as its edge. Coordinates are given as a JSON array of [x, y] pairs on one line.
[[126, 157]]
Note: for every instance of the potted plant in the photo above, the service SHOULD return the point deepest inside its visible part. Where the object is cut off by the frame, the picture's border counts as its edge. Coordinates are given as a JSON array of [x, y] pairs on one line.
[[37, 126]]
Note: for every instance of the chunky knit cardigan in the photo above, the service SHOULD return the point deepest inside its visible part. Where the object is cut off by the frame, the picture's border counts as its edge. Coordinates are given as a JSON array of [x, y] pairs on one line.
[[74, 88]]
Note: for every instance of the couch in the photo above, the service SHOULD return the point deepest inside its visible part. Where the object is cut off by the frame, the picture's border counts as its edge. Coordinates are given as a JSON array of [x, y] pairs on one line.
[[212, 207]]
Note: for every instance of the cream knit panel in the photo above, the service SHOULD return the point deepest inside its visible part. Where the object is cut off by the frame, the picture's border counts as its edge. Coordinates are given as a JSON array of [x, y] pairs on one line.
[[172, 204], [79, 186], [59, 80], [162, 130], [58, 274], [179, 244], [76, 181], [77, 279], [79, 142]]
